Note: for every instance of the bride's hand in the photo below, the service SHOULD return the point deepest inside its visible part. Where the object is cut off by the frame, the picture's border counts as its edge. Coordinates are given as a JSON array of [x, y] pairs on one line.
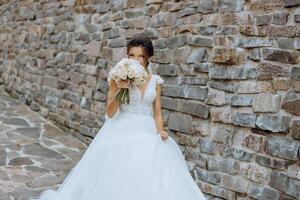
[[163, 134], [123, 83]]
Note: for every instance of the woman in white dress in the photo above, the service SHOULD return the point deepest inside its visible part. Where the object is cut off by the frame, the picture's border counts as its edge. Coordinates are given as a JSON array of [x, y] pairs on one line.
[[132, 157]]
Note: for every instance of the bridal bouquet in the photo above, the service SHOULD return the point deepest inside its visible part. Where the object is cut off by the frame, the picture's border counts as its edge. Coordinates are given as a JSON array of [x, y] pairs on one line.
[[127, 69]]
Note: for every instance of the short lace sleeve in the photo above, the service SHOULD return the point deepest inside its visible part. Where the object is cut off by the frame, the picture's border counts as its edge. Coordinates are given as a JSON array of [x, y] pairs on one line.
[[159, 80]]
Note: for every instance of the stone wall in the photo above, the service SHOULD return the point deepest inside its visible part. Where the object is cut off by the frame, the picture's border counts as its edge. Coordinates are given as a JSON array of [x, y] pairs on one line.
[[232, 93]]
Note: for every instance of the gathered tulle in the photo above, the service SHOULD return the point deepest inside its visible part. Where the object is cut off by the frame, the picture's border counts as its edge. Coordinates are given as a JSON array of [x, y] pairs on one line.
[[128, 160]]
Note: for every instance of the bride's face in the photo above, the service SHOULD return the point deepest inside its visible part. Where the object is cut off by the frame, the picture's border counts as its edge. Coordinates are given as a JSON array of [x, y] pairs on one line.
[[138, 54]]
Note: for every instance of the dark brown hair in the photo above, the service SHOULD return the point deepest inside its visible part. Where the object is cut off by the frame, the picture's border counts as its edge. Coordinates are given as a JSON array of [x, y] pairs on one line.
[[141, 40]]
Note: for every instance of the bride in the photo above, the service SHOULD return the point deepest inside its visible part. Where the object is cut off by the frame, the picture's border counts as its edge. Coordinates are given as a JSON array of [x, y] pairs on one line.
[[132, 157]]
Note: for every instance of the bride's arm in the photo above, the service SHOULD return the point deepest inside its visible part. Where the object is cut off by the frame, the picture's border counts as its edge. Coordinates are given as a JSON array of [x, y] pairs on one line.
[[158, 115], [112, 104]]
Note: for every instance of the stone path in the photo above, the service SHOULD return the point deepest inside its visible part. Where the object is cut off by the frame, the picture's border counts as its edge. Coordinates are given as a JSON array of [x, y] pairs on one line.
[[34, 154]]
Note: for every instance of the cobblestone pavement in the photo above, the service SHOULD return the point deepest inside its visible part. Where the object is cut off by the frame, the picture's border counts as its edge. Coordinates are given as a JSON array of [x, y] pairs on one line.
[[34, 154]]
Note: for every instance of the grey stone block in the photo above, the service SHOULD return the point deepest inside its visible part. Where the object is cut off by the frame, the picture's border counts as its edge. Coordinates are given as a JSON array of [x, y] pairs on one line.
[[185, 91], [266, 102], [181, 122], [264, 193], [273, 123], [241, 100], [244, 119], [283, 147], [198, 55]]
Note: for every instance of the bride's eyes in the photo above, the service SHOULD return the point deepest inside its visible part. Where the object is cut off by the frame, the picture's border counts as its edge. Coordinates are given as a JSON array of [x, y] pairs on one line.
[[132, 56]]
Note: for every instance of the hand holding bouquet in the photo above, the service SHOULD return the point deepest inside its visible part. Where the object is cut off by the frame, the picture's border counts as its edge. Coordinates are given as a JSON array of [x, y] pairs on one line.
[[127, 69]]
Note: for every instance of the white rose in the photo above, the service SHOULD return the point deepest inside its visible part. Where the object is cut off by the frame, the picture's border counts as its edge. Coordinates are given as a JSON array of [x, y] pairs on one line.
[[123, 73], [131, 73]]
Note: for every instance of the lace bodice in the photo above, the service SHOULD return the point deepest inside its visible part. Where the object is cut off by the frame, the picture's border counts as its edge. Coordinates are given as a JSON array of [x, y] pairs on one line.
[[142, 104]]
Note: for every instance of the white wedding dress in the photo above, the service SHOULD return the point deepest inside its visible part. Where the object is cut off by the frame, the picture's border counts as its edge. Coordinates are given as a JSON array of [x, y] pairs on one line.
[[128, 160]]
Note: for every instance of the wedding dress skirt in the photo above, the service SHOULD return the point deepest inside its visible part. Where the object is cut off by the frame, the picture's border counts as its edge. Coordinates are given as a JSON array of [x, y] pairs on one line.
[[128, 160]]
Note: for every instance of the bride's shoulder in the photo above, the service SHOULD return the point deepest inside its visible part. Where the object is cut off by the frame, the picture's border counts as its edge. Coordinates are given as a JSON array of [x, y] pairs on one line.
[[158, 79]]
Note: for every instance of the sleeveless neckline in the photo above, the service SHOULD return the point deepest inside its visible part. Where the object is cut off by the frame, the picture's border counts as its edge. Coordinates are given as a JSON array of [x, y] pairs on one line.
[[142, 96]]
